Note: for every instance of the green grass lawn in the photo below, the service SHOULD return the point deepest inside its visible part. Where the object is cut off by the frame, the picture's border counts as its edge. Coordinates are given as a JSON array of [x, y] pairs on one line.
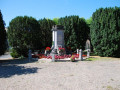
[[92, 59]]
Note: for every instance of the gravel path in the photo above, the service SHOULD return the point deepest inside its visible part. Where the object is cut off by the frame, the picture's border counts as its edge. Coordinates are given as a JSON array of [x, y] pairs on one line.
[[102, 74]]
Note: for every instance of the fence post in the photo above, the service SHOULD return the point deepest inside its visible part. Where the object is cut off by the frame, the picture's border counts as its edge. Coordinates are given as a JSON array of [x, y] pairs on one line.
[[29, 55], [77, 51], [80, 55], [88, 53], [54, 52]]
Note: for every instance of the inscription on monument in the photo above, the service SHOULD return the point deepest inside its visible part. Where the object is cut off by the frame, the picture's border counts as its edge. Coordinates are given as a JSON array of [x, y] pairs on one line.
[[60, 37], [59, 40]]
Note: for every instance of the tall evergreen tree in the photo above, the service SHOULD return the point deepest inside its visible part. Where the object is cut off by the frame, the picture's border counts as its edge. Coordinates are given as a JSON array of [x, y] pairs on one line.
[[45, 27], [105, 31], [3, 39], [76, 31]]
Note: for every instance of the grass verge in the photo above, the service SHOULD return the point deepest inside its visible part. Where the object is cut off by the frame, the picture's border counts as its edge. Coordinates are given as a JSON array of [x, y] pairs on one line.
[[92, 59]]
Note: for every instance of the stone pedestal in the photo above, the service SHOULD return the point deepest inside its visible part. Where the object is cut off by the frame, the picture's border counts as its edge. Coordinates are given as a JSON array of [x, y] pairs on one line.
[[53, 53], [53, 57]]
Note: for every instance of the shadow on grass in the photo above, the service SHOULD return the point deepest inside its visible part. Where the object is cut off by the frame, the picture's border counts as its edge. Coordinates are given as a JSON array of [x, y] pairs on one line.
[[9, 68]]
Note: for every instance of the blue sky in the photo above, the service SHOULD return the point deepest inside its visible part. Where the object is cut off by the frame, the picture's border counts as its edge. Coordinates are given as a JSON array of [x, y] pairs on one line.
[[52, 8]]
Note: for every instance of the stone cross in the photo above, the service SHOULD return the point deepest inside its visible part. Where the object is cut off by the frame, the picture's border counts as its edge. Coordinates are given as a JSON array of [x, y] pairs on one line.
[[80, 55]]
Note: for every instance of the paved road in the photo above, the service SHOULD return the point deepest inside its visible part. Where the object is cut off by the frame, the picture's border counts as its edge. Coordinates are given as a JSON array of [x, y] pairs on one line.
[[6, 56]]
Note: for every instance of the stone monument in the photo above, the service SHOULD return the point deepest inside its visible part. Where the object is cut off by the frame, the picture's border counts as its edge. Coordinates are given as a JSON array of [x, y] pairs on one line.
[[87, 46], [57, 37]]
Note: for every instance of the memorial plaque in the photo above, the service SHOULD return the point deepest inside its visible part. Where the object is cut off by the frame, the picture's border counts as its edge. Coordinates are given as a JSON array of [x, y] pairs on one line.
[[59, 42]]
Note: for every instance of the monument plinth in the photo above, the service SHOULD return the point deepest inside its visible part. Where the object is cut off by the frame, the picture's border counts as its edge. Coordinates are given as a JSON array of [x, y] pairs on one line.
[[57, 37]]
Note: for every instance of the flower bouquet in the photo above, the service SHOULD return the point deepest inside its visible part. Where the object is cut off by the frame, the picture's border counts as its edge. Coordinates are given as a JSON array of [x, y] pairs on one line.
[[47, 50], [72, 59]]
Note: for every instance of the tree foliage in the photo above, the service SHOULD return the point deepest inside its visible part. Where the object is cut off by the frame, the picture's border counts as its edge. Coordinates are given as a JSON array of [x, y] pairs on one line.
[[56, 20], [3, 39], [105, 31], [24, 33], [89, 21], [45, 27], [76, 31]]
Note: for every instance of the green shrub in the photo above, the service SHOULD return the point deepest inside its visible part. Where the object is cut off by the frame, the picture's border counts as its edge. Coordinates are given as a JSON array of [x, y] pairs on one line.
[[14, 53], [24, 33]]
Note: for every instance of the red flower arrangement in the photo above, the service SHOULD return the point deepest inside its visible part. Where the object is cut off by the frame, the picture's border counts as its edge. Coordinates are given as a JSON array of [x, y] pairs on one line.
[[78, 55], [84, 55], [62, 49], [48, 48]]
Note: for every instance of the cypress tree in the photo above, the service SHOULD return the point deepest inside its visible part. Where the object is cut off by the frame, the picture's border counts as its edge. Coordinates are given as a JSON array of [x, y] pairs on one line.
[[3, 39]]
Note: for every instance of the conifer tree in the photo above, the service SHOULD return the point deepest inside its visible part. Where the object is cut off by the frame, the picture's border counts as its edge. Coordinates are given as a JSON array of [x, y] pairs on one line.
[[45, 27], [3, 42], [105, 31], [76, 31], [23, 34]]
